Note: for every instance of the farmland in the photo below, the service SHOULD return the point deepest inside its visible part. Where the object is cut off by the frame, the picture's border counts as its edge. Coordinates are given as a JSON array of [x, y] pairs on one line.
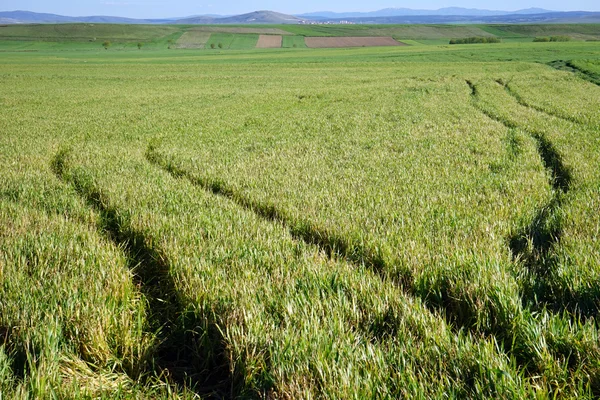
[[269, 42], [332, 42], [403, 221]]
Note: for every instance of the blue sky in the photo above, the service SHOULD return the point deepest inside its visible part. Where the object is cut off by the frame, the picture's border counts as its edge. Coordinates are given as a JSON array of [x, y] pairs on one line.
[[180, 8]]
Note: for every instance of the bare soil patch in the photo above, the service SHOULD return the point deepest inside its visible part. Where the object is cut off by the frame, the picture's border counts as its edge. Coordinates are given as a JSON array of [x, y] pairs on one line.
[[269, 42], [324, 42]]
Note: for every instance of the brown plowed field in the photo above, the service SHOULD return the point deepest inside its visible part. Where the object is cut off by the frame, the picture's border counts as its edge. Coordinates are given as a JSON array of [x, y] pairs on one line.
[[322, 42], [193, 40], [269, 42]]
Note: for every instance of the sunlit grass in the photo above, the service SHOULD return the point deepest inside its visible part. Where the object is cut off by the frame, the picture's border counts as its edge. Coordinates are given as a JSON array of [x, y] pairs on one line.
[[296, 224]]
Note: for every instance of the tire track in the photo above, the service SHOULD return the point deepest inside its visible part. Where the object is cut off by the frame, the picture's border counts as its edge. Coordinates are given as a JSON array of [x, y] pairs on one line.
[[568, 66], [446, 308], [522, 102], [189, 349], [385, 324], [331, 244], [561, 177], [533, 245]]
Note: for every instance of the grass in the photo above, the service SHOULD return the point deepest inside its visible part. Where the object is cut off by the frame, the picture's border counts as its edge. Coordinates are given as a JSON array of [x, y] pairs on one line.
[[231, 41], [193, 39], [398, 31], [579, 31], [155, 37], [344, 223], [293, 42], [589, 69]]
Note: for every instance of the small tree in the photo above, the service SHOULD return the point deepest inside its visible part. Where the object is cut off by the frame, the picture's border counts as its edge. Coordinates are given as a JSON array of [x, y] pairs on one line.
[[212, 46], [140, 45], [106, 44], [220, 45]]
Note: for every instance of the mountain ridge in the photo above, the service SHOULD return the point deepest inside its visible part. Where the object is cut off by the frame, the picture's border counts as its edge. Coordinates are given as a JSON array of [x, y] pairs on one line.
[[256, 17], [446, 15], [397, 12]]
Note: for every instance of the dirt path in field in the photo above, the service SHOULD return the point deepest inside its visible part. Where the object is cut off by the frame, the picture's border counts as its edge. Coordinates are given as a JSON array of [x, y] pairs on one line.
[[332, 42], [269, 42]]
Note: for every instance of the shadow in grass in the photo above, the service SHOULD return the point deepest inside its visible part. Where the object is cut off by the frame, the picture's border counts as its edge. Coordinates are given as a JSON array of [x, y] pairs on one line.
[[534, 243], [189, 349], [20, 356]]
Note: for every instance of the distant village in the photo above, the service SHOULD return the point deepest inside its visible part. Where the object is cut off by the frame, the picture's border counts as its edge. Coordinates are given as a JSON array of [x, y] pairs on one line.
[[343, 22]]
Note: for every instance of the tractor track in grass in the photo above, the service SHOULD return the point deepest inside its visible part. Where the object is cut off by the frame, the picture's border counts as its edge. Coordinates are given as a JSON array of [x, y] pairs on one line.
[[331, 244], [175, 356], [522, 102], [568, 66], [533, 245]]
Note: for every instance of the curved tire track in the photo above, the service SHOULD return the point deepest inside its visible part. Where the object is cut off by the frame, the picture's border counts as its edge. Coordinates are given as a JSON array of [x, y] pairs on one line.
[[446, 307], [181, 354], [521, 101], [330, 244], [534, 243], [568, 66]]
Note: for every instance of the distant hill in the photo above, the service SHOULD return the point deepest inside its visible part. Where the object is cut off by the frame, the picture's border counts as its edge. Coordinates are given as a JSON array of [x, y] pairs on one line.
[[28, 17], [451, 15], [257, 17], [395, 12], [544, 18]]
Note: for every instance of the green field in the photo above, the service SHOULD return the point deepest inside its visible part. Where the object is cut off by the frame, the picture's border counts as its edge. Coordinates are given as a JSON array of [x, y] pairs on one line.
[[241, 37], [293, 41], [418, 221], [231, 41]]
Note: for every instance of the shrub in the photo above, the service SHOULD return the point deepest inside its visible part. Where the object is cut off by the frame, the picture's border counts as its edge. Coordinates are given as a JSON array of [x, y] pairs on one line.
[[106, 44], [212, 46], [220, 45], [140, 45], [560, 38], [541, 39], [472, 40]]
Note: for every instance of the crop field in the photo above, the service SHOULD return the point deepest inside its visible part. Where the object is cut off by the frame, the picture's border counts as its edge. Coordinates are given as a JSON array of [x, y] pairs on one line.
[[238, 29], [416, 221], [269, 42], [293, 41], [232, 41], [332, 42], [582, 31], [241, 37], [193, 40]]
